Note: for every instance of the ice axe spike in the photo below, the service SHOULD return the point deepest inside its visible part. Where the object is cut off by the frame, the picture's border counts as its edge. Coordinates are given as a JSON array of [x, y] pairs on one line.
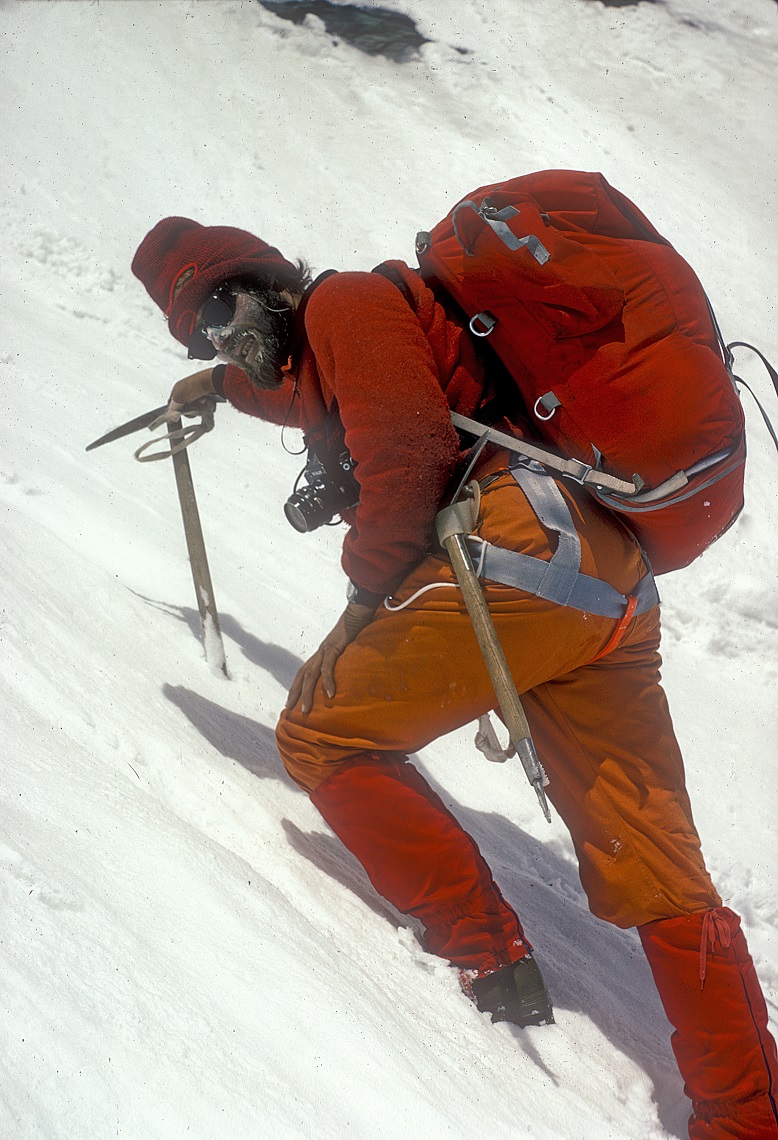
[[453, 524]]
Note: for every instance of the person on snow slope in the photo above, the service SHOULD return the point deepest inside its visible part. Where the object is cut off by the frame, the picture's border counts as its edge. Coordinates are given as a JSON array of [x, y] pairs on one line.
[[373, 363]]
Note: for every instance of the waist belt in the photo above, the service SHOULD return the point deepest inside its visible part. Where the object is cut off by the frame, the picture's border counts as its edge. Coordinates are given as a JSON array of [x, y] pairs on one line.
[[560, 580]]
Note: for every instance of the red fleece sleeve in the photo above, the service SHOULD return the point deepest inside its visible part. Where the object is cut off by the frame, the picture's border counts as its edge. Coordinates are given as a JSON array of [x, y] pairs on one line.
[[277, 406], [372, 354]]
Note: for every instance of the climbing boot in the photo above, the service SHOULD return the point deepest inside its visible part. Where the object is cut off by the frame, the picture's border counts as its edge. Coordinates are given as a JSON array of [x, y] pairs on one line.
[[514, 993]]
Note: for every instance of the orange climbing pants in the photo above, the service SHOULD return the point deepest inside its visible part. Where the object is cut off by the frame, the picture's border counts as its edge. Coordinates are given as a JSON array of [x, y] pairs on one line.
[[601, 727]]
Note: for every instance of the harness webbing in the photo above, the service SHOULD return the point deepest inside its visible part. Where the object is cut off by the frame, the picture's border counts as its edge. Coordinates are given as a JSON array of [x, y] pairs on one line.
[[559, 580]]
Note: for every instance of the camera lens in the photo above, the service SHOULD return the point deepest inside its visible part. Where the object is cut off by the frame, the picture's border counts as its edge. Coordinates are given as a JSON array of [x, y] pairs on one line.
[[311, 507], [315, 505], [296, 515]]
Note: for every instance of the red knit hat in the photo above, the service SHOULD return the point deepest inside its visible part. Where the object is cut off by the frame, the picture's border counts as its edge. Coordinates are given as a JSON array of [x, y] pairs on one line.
[[215, 253]]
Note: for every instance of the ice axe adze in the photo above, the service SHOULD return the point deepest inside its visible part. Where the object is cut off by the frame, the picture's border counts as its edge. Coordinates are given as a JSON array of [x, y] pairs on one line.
[[453, 524], [179, 439]]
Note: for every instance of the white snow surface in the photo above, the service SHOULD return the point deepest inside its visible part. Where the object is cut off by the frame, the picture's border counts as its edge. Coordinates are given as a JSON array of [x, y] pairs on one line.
[[185, 948]]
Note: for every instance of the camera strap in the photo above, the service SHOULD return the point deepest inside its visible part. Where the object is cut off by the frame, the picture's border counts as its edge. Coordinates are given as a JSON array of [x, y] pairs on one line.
[[328, 443]]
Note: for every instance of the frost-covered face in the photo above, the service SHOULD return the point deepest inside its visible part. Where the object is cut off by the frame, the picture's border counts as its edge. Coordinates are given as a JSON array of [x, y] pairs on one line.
[[257, 335]]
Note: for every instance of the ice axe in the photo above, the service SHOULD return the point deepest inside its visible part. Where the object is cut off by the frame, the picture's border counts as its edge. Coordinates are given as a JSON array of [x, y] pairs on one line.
[[453, 524], [179, 438]]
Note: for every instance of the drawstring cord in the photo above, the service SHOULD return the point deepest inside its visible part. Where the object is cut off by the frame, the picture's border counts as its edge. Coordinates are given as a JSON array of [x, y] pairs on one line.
[[285, 424], [713, 925], [393, 608]]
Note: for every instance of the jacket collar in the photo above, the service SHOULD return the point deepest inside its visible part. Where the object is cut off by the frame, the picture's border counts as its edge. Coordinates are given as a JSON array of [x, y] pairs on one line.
[[299, 338]]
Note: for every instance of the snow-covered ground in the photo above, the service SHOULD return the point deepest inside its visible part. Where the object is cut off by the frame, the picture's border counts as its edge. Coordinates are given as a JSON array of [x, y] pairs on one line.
[[185, 949]]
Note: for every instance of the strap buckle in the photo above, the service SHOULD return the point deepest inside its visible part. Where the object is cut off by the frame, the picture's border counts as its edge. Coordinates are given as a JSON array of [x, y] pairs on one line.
[[578, 471]]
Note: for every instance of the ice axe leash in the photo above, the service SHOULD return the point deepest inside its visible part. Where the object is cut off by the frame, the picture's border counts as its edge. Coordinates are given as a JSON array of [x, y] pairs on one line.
[[154, 419], [454, 523], [178, 438]]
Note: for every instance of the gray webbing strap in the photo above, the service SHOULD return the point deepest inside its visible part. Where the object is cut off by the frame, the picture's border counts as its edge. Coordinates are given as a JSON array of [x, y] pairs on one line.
[[497, 220], [559, 580], [546, 500]]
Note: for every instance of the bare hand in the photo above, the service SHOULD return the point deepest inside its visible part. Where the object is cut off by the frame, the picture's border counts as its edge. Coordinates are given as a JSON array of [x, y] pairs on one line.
[[188, 394], [188, 398], [322, 665]]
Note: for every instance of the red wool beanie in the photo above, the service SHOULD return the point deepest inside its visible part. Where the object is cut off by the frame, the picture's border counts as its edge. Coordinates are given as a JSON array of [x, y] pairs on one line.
[[215, 253]]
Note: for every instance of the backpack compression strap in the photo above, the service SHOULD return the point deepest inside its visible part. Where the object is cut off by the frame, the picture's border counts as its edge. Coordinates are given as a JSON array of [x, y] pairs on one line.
[[574, 469]]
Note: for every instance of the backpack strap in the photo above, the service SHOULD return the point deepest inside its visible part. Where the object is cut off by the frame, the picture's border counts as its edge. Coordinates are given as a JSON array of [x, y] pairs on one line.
[[729, 364], [397, 279], [772, 374], [560, 580], [771, 371], [574, 469]]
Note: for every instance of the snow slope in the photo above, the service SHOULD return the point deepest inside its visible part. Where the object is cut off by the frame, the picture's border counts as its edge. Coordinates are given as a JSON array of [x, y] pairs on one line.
[[185, 948]]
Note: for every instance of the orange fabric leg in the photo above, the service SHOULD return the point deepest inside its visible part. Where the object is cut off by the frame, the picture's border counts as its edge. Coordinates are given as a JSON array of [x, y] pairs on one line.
[[417, 673], [617, 779], [414, 675], [602, 730]]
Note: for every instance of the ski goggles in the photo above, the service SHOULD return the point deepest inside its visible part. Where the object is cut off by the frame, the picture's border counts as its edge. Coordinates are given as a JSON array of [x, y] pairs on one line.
[[216, 313]]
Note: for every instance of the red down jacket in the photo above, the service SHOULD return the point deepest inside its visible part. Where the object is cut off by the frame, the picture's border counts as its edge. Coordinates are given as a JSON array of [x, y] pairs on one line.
[[393, 372]]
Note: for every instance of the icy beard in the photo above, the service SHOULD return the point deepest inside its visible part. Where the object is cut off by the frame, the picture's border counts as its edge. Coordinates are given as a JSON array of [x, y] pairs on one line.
[[257, 339]]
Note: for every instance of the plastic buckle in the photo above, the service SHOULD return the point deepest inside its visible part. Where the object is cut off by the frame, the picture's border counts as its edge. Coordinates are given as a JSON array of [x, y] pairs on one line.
[[582, 470]]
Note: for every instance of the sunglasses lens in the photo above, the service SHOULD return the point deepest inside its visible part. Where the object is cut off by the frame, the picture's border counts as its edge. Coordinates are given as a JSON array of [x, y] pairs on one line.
[[200, 348], [218, 310]]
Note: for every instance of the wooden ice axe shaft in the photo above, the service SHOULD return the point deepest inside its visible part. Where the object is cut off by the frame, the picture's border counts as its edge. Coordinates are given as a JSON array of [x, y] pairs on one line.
[[453, 524], [198, 560]]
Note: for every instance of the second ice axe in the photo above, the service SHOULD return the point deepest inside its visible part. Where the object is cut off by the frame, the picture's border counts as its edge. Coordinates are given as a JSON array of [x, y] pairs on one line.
[[453, 524]]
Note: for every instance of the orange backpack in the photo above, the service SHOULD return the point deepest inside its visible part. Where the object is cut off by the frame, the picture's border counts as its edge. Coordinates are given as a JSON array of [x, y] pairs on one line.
[[611, 340]]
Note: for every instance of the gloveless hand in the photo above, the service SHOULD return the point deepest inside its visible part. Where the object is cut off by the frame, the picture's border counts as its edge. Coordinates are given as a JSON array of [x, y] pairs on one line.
[[322, 665], [188, 398], [188, 394]]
